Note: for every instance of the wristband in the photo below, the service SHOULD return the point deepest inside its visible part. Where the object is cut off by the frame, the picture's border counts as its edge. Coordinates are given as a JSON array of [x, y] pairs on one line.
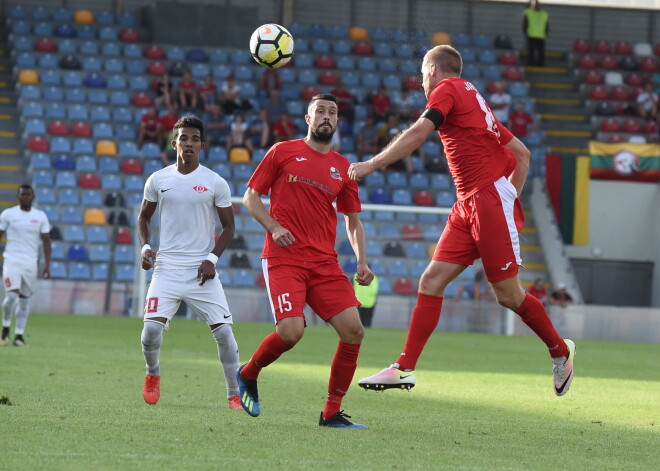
[[213, 258], [145, 247]]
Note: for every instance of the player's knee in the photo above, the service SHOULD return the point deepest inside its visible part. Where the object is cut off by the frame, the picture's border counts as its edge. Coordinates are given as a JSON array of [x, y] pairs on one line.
[[223, 334], [152, 333], [508, 300], [11, 298], [291, 336]]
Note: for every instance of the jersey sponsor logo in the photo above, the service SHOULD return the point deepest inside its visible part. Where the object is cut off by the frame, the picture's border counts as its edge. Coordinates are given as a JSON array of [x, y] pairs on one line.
[[7, 282], [35, 221], [151, 305], [163, 190], [200, 188], [506, 267], [300, 159], [334, 173], [291, 178]]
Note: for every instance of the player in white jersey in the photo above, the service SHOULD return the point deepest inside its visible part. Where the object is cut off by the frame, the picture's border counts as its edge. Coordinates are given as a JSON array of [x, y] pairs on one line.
[[26, 229], [189, 197]]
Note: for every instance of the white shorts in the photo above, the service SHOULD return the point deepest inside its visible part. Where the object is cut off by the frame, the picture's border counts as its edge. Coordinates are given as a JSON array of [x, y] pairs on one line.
[[169, 287], [20, 276]]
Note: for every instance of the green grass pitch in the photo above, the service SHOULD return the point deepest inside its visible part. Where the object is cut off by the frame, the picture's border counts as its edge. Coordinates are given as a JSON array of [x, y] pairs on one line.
[[481, 403]]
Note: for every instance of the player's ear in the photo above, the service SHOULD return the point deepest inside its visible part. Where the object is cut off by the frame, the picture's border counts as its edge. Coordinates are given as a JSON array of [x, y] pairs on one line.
[[307, 118]]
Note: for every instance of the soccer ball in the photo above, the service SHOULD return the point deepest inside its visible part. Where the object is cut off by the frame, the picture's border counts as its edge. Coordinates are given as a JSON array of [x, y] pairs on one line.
[[271, 45]]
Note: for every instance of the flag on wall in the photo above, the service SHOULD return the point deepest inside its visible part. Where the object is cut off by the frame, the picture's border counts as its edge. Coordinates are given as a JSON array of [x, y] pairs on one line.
[[567, 181], [624, 161]]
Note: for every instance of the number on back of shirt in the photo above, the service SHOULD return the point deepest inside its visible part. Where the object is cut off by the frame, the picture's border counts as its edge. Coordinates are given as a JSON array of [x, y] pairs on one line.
[[490, 118]]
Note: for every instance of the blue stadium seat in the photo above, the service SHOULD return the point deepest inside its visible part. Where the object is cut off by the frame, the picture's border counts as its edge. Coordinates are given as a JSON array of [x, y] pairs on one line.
[[72, 78], [388, 231], [134, 199], [483, 41], [117, 82], [45, 195], [23, 43], [113, 66], [39, 160], [133, 183], [124, 254], [111, 182], [440, 181], [76, 95], [132, 50], [199, 71], [373, 248], [56, 248], [91, 198], [86, 32], [50, 77], [102, 131], [216, 154], [320, 46], [350, 265], [77, 252], [128, 149], [110, 49], [432, 148], [342, 46], [94, 80], [83, 145], [405, 51], [23, 27], [73, 234], [92, 63], [487, 56], [99, 271], [369, 228], [241, 56], [393, 82], [222, 71], [135, 66], [402, 197], [417, 268], [150, 150], [384, 216], [79, 271], [124, 272], [63, 162], [108, 33], [468, 54], [220, 56], [69, 196], [377, 178], [71, 215], [345, 63], [34, 127], [151, 166], [396, 179], [100, 113], [383, 49], [419, 180], [366, 63], [26, 60], [76, 112], [445, 199], [379, 196], [138, 83], [398, 268], [108, 165], [42, 178], [123, 115], [123, 131], [97, 234], [416, 250], [127, 19], [58, 270], [492, 72], [471, 71], [32, 109], [60, 145], [68, 46], [85, 163], [30, 92], [243, 72], [371, 80]]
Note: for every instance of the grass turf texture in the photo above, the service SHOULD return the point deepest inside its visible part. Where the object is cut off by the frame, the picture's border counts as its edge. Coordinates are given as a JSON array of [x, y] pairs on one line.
[[481, 403]]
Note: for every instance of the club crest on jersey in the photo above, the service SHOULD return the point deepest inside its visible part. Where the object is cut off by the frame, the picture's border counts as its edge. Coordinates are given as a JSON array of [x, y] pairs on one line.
[[291, 178], [334, 173], [200, 188]]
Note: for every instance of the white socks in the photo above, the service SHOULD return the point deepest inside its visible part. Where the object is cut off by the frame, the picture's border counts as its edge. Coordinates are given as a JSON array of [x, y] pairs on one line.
[[152, 339], [228, 354], [22, 314], [8, 307]]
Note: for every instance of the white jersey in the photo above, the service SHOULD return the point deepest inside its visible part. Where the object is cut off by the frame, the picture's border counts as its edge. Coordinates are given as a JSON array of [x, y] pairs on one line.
[[187, 211], [23, 230]]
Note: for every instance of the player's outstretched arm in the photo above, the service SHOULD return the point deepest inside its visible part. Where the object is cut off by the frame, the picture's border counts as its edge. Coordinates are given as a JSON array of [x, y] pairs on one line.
[[253, 203], [519, 174], [355, 231], [147, 210]]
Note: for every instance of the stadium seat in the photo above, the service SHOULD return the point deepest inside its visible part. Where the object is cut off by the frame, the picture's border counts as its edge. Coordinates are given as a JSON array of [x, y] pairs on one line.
[[613, 78], [608, 63], [111, 182], [39, 160], [623, 48], [124, 272], [91, 198], [587, 62], [42, 178], [28, 77], [73, 233], [403, 286], [85, 163], [124, 254], [63, 162], [129, 35], [593, 77], [648, 64], [581, 46], [65, 179], [424, 198], [106, 147], [598, 93], [58, 270], [38, 144], [411, 232], [602, 47], [619, 93], [89, 180], [111, 49], [45, 195], [631, 126], [94, 216]]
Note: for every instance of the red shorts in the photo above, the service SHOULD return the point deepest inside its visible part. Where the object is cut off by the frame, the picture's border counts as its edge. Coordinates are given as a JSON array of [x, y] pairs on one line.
[[485, 225], [292, 283]]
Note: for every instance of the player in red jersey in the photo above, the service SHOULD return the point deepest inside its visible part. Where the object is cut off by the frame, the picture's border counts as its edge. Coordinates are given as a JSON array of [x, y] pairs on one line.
[[304, 178], [489, 167]]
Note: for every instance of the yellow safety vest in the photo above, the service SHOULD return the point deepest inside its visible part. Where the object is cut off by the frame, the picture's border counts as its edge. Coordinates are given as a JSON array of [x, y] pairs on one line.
[[366, 294], [537, 21]]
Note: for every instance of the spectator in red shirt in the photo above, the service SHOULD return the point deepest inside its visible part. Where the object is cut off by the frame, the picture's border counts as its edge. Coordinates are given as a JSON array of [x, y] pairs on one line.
[[150, 128], [345, 100], [381, 104], [520, 121], [188, 92], [538, 291], [167, 122], [208, 93], [284, 128]]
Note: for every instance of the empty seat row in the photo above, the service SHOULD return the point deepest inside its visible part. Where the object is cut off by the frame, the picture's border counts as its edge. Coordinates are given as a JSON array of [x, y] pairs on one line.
[[19, 12]]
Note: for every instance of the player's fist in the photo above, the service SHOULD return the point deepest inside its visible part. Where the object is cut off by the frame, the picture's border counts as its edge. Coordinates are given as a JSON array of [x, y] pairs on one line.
[[359, 170], [282, 236], [364, 276], [206, 271], [148, 259]]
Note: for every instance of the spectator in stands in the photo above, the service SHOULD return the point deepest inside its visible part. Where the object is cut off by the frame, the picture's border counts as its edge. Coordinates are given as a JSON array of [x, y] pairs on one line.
[[388, 132], [260, 133], [381, 104], [535, 27], [405, 105], [164, 91], [560, 296], [367, 138], [208, 93], [367, 295], [150, 129], [647, 103], [500, 103], [270, 81], [520, 122], [478, 288], [167, 122], [538, 291], [284, 128], [238, 134], [346, 102], [188, 92], [231, 97], [215, 126]]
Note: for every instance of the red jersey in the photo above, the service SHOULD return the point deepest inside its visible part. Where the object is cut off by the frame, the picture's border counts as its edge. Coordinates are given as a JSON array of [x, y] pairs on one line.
[[168, 121], [151, 123], [381, 103], [474, 140], [303, 184], [537, 293], [519, 122], [187, 84]]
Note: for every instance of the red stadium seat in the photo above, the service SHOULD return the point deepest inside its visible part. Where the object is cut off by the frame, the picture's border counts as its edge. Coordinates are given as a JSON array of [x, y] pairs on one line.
[[45, 45], [411, 232], [124, 236], [492, 87], [615, 139], [403, 286], [582, 46], [625, 109], [328, 77], [154, 52], [634, 80], [363, 48], [308, 92], [587, 62], [593, 77], [608, 63], [412, 82], [141, 99], [602, 47], [508, 58], [156, 68], [58, 128], [623, 48], [619, 93], [512, 73], [424, 198], [609, 125], [651, 128], [89, 180], [324, 61], [81, 129], [631, 125], [38, 144], [598, 93], [131, 167], [129, 35], [656, 50], [648, 64]]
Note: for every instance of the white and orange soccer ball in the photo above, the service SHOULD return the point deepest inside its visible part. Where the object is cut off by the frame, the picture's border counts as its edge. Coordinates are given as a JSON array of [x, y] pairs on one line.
[[271, 45]]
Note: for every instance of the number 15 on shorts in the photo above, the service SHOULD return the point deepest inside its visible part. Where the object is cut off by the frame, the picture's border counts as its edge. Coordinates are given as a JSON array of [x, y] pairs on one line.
[[283, 303]]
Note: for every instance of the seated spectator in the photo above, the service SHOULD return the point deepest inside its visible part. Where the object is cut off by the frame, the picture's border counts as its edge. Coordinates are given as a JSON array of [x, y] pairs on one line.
[[208, 93], [150, 128], [238, 134], [215, 126], [647, 103], [367, 138], [164, 91], [405, 105], [389, 131], [270, 81], [231, 97], [346, 102], [381, 104], [538, 291], [259, 132], [284, 128], [520, 122], [167, 122], [274, 106], [479, 288], [188, 92], [500, 103], [560, 296]]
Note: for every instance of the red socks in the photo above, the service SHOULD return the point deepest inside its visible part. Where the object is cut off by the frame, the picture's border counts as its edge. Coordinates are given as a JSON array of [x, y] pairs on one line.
[[341, 374], [425, 318], [270, 350], [532, 312]]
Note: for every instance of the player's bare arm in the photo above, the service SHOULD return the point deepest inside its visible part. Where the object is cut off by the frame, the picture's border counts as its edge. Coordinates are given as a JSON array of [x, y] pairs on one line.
[[355, 231], [253, 203], [147, 210], [519, 174], [45, 240], [400, 147], [206, 270]]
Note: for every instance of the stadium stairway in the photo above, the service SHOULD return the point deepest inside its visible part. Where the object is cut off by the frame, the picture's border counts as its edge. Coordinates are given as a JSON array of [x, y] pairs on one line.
[[530, 247], [12, 171], [567, 127]]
